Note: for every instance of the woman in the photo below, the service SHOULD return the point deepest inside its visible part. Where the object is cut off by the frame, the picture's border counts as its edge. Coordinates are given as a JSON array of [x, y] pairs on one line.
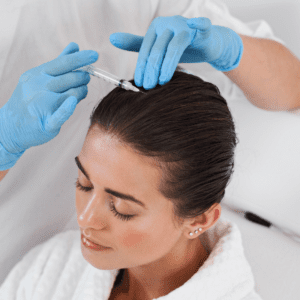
[[172, 150]]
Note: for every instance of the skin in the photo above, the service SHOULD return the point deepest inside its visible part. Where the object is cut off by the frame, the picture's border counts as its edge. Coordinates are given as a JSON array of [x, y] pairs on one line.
[[157, 255]]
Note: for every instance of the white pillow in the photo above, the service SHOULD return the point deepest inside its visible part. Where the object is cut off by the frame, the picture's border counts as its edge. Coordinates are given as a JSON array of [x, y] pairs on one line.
[[266, 180]]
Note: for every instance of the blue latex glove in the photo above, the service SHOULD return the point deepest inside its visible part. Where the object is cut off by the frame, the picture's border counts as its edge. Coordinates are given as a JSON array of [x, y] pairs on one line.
[[173, 40], [44, 99]]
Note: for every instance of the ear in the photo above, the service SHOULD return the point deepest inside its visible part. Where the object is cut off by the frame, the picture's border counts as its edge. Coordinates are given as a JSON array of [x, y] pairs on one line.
[[210, 217]]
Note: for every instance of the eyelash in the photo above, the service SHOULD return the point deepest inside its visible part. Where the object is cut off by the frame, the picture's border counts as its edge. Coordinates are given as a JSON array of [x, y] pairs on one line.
[[112, 207]]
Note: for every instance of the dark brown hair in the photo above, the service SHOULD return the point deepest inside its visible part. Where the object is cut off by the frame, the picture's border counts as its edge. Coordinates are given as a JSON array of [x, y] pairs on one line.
[[186, 126]]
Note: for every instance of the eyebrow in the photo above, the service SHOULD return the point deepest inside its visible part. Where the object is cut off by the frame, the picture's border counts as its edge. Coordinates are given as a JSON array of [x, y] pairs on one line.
[[107, 190]]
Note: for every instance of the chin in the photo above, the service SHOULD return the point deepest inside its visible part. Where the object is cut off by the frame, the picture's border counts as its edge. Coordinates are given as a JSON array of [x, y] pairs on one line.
[[97, 262]]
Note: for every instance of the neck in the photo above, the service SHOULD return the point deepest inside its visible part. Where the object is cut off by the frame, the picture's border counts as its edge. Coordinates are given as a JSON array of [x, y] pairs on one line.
[[160, 278]]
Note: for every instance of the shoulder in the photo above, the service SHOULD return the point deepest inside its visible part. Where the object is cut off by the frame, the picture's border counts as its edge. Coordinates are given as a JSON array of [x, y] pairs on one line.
[[60, 256], [59, 251], [64, 245]]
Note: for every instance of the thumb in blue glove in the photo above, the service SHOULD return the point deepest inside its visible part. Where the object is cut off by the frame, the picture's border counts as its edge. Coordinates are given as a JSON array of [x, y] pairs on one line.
[[44, 99]]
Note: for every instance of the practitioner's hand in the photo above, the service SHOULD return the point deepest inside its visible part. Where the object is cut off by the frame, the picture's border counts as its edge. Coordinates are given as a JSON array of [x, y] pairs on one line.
[[44, 99], [173, 40]]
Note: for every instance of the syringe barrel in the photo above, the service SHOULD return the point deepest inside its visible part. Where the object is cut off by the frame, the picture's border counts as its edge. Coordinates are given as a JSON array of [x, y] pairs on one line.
[[109, 77], [101, 74]]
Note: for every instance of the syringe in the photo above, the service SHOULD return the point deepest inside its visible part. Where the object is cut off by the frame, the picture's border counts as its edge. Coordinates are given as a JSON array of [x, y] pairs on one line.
[[109, 77]]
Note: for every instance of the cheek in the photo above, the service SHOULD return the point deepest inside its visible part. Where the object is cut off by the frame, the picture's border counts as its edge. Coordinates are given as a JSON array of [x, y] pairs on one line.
[[132, 239], [149, 233]]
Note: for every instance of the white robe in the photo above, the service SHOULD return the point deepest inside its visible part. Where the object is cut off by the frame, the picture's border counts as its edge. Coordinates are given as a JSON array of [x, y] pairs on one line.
[[57, 270]]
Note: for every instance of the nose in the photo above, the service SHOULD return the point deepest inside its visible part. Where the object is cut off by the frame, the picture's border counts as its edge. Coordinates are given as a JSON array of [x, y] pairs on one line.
[[91, 212]]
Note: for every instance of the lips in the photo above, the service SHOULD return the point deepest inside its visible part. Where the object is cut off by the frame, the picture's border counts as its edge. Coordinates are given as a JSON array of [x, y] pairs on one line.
[[93, 241]]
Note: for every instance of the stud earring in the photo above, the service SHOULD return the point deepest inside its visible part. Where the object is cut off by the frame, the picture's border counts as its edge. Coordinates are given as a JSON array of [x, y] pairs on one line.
[[196, 231]]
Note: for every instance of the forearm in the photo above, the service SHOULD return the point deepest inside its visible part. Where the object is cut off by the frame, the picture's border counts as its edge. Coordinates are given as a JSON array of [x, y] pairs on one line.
[[3, 173], [268, 74]]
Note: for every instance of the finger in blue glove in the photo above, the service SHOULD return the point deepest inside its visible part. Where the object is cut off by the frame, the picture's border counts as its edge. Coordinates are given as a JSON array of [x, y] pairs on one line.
[[45, 97], [173, 40]]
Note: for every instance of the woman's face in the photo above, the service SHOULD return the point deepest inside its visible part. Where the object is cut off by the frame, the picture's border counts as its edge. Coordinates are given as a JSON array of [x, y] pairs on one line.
[[150, 234]]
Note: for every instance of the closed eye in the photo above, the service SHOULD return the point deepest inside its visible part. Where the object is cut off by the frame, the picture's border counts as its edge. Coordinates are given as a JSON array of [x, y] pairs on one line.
[[112, 206]]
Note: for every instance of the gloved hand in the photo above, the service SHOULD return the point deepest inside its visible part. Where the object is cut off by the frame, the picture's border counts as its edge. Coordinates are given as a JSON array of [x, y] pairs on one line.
[[44, 99], [173, 40]]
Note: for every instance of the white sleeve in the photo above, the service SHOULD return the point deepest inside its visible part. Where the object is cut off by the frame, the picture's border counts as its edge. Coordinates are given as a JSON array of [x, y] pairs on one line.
[[218, 13]]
